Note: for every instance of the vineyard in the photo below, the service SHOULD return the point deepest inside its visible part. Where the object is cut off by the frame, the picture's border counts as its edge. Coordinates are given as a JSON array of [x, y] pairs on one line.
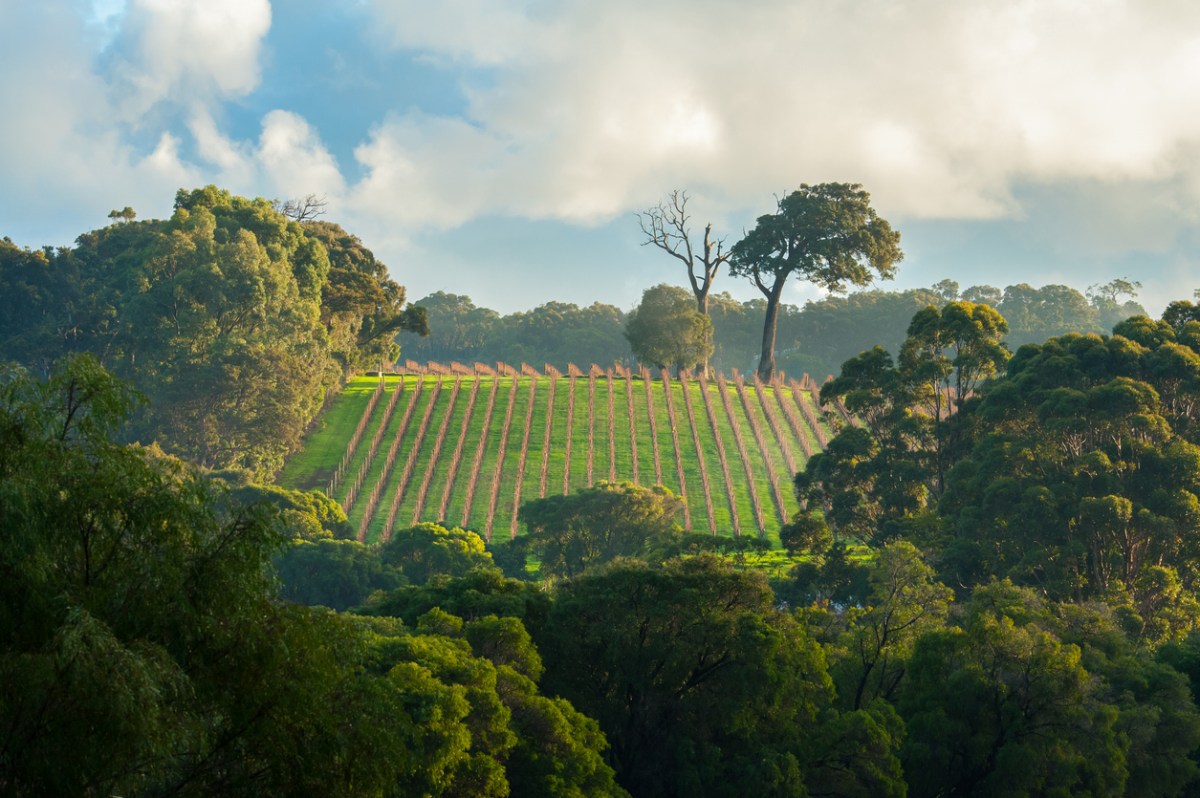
[[467, 446]]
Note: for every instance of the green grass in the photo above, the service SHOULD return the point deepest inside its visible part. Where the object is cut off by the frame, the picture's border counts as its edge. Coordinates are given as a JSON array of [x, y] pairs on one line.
[[613, 453], [326, 441]]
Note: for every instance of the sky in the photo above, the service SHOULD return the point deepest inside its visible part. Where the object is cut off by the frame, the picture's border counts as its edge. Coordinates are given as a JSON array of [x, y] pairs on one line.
[[502, 149]]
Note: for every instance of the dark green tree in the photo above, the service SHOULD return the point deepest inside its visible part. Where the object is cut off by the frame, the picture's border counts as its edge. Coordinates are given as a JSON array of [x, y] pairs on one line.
[[427, 550], [665, 330], [828, 235], [570, 533], [704, 688]]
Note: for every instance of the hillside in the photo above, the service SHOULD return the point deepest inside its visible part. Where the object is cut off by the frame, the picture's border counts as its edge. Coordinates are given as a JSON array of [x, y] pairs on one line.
[[468, 448]]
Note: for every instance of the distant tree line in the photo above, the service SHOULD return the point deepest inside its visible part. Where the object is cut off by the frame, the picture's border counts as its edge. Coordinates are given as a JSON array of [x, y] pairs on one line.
[[815, 338]]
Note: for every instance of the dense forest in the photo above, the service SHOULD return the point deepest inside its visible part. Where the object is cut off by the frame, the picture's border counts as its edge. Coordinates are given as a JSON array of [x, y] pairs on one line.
[[815, 338], [992, 586]]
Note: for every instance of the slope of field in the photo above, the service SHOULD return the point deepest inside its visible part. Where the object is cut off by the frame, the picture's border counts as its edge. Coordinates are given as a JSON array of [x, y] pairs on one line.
[[468, 448]]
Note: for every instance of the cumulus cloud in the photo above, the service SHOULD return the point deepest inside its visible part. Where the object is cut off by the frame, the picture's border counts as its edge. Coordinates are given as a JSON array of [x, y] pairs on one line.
[[192, 48], [940, 108]]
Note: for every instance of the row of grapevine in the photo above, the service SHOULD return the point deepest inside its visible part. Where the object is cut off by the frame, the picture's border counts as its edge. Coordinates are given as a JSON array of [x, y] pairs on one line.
[[683, 492], [390, 459], [763, 448], [524, 455], [658, 474], [373, 449], [806, 407], [705, 483], [499, 471], [727, 478], [352, 444], [799, 427], [438, 442], [456, 458], [409, 465], [743, 452], [477, 463], [776, 425]]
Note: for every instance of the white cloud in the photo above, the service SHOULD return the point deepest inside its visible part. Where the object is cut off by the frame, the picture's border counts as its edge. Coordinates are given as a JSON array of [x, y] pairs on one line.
[[294, 160], [192, 48], [939, 108]]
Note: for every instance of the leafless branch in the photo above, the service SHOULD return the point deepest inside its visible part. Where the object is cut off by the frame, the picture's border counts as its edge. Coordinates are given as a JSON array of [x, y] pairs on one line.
[[303, 210]]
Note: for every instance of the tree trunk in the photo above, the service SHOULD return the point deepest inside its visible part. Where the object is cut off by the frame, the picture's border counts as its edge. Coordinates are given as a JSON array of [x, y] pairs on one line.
[[766, 361], [701, 293]]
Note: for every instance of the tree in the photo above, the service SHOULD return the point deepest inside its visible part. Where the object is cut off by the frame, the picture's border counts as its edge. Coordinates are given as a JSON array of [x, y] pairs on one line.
[[1005, 707], [704, 688], [668, 227], [597, 524], [827, 234], [666, 331], [302, 209], [1035, 314], [1106, 300], [427, 549]]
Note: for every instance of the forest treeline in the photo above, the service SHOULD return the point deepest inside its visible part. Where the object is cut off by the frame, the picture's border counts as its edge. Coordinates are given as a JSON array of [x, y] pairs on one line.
[[815, 338]]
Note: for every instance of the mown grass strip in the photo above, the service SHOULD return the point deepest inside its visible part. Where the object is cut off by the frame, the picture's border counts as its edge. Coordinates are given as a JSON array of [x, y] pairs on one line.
[[480, 449], [456, 458], [436, 452], [633, 438], [612, 431], [352, 445], [524, 454], [672, 421], [544, 472], [498, 473], [324, 444], [567, 438], [591, 430], [372, 450], [705, 482], [739, 438], [722, 457], [647, 383]]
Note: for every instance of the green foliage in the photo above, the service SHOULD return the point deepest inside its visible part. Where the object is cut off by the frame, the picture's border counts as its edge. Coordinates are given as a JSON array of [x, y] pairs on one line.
[[229, 316], [570, 533], [667, 330], [826, 234], [704, 688], [338, 574], [140, 632], [427, 550], [1004, 707]]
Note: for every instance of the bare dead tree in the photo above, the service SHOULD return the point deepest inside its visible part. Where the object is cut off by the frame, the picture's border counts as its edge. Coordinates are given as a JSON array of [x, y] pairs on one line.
[[302, 210], [668, 227]]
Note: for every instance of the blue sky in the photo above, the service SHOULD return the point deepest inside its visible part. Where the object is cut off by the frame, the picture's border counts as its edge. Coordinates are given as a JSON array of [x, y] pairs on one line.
[[502, 149]]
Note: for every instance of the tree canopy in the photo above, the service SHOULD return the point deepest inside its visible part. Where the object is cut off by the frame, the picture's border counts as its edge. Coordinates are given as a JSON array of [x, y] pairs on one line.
[[828, 235]]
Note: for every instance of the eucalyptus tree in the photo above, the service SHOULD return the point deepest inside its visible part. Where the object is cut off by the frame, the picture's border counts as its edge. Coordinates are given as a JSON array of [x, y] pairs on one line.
[[828, 235]]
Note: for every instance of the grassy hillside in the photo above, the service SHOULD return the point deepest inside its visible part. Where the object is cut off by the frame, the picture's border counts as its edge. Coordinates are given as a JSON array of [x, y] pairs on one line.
[[468, 449]]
